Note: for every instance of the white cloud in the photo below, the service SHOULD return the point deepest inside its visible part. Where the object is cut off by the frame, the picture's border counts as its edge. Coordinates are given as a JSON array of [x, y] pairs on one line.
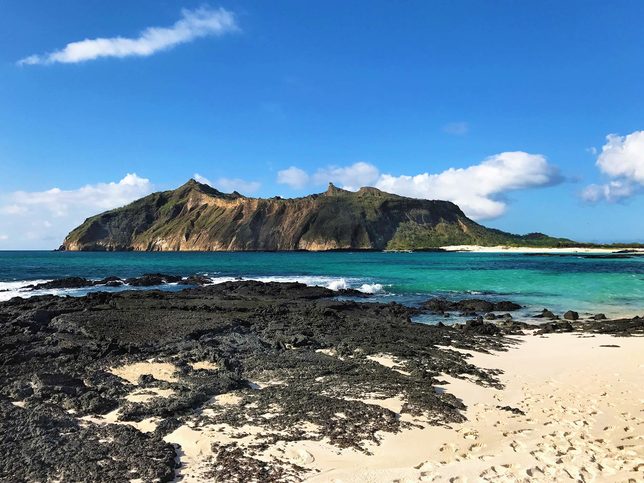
[[622, 160], [623, 156], [4, 237], [294, 177], [13, 210], [41, 219], [456, 128], [230, 184], [349, 177], [193, 24], [611, 191], [201, 179], [479, 190], [101, 196]]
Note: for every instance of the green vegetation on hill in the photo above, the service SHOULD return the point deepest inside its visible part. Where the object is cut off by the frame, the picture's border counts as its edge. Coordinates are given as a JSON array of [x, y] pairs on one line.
[[445, 234], [198, 217]]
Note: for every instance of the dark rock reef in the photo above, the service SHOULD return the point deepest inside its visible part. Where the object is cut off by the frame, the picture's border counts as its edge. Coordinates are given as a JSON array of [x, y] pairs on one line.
[[473, 306], [284, 346], [300, 364]]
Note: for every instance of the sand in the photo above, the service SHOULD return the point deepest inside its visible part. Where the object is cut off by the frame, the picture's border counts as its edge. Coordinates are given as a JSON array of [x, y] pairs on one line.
[[163, 371], [389, 361], [194, 446], [582, 401], [148, 394], [583, 421], [507, 249], [145, 425], [206, 365], [571, 409]]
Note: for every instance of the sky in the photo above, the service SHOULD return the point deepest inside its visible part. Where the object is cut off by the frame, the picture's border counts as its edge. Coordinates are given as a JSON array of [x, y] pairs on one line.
[[528, 114]]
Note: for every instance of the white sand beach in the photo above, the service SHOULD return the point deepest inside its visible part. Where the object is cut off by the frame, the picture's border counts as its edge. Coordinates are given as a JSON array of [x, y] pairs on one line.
[[508, 249], [583, 421], [581, 399]]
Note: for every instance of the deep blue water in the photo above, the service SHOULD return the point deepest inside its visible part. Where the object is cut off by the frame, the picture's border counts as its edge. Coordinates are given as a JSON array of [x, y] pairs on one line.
[[613, 286]]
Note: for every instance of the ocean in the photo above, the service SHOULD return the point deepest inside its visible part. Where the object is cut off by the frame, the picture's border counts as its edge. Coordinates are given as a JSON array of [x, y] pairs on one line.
[[588, 285]]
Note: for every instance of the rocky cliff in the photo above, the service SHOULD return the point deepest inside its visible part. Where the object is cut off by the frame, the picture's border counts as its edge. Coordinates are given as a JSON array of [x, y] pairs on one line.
[[196, 216]]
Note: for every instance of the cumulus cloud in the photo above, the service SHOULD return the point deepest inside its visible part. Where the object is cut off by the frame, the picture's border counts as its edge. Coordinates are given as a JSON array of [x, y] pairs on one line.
[[622, 161], [193, 24], [40, 219], [611, 191], [294, 177], [348, 177], [623, 156], [480, 190], [13, 210], [230, 184], [101, 196]]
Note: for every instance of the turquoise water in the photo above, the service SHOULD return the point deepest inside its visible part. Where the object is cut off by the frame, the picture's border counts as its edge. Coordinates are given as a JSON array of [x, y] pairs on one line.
[[613, 286]]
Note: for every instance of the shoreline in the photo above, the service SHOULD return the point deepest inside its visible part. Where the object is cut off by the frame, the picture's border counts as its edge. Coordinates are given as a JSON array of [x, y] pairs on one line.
[[553, 250], [279, 381], [563, 413], [348, 286], [580, 402]]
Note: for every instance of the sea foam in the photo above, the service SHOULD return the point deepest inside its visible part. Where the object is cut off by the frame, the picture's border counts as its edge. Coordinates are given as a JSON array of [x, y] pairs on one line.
[[18, 288]]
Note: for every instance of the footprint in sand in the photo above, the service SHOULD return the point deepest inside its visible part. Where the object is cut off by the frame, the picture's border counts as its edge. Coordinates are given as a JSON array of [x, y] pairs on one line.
[[515, 445], [476, 447], [299, 456], [534, 471], [448, 447]]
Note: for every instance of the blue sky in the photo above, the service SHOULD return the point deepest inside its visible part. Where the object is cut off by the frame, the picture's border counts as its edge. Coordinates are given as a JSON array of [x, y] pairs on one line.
[[503, 107]]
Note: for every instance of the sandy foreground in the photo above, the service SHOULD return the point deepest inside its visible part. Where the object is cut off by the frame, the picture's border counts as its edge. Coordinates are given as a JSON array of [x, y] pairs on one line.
[[506, 249], [583, 404]]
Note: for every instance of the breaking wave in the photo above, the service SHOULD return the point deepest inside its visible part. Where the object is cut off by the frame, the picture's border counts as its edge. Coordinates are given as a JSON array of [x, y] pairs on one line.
[[19, 288]]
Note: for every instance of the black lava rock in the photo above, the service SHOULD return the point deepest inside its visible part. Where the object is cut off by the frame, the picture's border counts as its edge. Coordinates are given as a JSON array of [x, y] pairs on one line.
[[477, 326], [551, 327], [151, 279], [70, 282], [468, 306], [546, 314], [571, 315], [197, 280]]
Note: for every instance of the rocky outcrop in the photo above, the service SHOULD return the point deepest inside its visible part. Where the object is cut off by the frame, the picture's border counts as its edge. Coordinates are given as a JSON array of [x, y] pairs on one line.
[[200, 218], [58, 357], [439, 305]]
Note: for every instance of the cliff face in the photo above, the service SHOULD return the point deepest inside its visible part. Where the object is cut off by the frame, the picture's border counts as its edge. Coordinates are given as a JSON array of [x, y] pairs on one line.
[[198, 217]]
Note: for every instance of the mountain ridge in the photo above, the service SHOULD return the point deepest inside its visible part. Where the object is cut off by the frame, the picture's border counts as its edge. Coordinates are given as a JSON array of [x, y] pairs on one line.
[[198, 217]]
